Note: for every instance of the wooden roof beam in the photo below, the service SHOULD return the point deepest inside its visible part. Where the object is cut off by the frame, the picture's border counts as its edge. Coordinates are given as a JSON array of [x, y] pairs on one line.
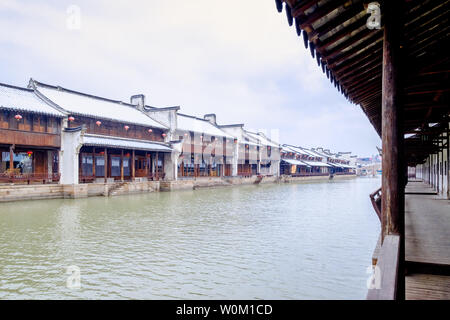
[[364, 74], [358, 86], [367, 44], [352, 11], [349, 42], [366, 97], [319, 13], [341, 34], [427, 20], [360, 59], [358, 69], [301, 6]]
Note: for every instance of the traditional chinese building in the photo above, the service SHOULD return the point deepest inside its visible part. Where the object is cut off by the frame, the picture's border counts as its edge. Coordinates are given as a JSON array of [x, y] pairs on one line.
[[207, 151], [30, 137], [106, 140], [256, 154], [297, 161], [387, 57]]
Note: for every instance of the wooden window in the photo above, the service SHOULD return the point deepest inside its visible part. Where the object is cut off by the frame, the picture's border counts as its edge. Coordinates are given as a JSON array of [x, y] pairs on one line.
[[12, 122], [126, 166], [99, 166], [86, 165], [35, 123], [42, 124], [115, 166], [55, 162], [4, 119]]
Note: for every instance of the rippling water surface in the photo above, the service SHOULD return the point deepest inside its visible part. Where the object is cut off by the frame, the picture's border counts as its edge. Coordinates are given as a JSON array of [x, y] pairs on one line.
[[286, 241]]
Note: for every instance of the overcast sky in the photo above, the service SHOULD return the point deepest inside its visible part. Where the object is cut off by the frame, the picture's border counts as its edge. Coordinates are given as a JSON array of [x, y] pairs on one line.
[[237, 59]]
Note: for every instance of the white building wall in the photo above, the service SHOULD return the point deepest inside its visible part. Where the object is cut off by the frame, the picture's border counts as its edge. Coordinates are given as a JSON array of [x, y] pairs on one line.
[[71, 142]]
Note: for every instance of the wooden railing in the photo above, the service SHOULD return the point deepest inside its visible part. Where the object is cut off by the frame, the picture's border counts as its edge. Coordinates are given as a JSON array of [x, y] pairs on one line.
[[309, 174], [150, 176], [12, 177], [384, 280], [386, 273], [245, 174], [375, 198]]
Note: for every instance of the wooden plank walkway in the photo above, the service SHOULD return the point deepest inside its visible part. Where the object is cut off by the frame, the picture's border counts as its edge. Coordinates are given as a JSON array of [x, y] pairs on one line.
[[419, 187], [427, 287], [427, 229], [427, 242]]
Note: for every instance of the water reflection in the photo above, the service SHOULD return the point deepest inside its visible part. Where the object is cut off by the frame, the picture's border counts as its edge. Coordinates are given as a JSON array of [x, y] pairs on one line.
[[288, 241]]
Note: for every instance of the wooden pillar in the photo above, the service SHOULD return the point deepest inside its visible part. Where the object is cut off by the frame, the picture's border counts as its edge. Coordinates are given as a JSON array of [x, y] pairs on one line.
[[106, 164], [146, 164], [156, 166], [393, 179], [93, 162], [121, 164], [181, 173], [448, 158], [11, 158], [133, 169]]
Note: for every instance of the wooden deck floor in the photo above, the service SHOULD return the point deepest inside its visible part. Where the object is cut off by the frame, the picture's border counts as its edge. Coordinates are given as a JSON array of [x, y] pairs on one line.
[[427, 242], [418, 187], [427, 287]]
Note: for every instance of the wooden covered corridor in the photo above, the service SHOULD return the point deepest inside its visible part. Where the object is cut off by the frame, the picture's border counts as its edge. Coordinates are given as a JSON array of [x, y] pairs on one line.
[[387, 57], [427, 243]]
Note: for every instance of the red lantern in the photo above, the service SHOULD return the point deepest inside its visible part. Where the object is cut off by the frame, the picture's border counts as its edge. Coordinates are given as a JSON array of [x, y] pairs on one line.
[[127, 155], [126, 128], [164, 134], [150, 130], [29, 153], [18, 117], [71, 118], [98, 123]]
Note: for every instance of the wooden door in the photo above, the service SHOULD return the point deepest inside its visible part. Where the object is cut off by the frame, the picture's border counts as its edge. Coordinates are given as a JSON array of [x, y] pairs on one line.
[[40, 162]]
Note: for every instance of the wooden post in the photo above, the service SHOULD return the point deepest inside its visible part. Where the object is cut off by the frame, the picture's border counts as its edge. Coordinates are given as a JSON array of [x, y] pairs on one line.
[[133, 169], [121, 164], [156, 166], [448, 158], [393, 180], [93, 162], [106, 164], [146, 164], [11, 158]]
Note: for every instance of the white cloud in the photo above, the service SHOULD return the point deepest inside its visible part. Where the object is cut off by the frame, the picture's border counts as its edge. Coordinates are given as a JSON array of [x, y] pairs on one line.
[[236, 58]]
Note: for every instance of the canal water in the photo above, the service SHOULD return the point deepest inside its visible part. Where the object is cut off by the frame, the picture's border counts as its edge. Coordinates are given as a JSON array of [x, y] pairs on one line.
[[276, 241]]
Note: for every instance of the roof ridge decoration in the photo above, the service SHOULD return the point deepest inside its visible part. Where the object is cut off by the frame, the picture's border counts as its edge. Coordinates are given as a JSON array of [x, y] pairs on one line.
[[73, 104], [15, 87], [26, 99], [193, 117], [125, 139], [59, 88], [231, 125]]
